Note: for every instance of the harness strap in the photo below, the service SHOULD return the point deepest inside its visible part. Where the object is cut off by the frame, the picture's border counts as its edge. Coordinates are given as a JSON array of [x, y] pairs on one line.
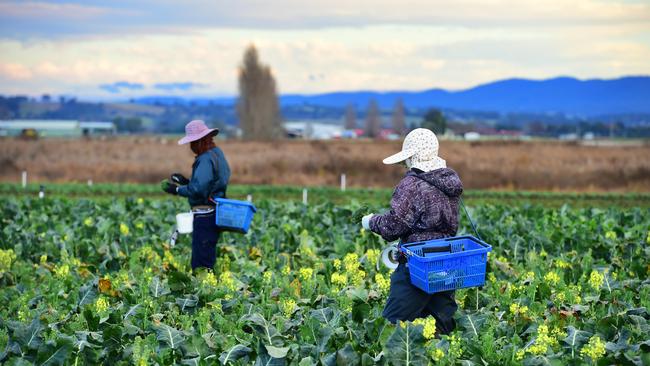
[[470, 219]]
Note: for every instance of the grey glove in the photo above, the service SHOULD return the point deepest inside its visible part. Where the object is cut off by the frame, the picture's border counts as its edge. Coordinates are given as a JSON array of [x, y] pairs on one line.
[[365, 221]]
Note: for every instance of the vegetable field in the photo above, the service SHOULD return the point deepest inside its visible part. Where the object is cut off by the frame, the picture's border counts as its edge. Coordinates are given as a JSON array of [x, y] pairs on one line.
[[95, 281]]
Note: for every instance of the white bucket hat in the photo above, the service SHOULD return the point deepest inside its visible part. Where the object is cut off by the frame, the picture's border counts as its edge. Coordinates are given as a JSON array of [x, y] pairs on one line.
[[420, 150]]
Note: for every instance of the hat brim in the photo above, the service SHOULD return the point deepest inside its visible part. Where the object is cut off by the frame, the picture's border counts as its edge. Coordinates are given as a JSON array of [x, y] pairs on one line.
[[399, 157], [188, 139]]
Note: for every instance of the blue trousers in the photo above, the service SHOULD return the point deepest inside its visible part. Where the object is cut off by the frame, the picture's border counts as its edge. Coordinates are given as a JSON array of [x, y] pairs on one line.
[[407, 302], [204, 240]]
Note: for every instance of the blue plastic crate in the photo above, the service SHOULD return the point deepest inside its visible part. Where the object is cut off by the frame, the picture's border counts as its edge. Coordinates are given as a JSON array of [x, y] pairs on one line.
[[233, 215], [447, 264]]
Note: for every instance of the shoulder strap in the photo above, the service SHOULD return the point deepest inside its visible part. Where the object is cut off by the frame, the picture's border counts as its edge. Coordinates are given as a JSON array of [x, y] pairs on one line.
[[470, 219]]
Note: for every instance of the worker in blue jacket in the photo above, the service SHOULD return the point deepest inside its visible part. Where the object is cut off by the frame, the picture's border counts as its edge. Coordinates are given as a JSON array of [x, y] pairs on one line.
[[210, 175]]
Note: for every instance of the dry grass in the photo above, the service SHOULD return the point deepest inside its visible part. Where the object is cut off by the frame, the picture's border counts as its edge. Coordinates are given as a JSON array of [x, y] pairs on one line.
[[486, 165]]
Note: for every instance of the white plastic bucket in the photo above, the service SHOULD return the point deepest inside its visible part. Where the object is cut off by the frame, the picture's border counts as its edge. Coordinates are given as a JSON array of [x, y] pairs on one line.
[[184, 222]]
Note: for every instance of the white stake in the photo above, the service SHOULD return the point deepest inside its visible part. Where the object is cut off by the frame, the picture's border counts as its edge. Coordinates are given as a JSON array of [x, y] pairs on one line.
[[90, 182], [343, 182], [304, 196], [24, 178], [249, 198]]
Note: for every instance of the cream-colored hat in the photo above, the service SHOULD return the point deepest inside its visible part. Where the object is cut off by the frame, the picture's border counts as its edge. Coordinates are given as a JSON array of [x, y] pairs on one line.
[[421, 148]]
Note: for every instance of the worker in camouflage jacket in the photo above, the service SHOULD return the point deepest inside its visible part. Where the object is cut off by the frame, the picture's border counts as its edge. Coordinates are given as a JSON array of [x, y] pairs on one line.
[[424, 207]]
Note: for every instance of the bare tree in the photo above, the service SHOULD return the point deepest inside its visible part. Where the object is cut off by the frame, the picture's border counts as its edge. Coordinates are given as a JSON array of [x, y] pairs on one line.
[[373, 120], [399, 126], [350, 118], [258, 107]]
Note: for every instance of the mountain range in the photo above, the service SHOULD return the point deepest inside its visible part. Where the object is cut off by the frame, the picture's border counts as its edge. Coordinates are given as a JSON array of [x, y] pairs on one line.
[[565, 95]]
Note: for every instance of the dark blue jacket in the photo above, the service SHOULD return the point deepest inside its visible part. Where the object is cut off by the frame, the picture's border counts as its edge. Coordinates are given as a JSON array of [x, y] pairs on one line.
[[210, 175]]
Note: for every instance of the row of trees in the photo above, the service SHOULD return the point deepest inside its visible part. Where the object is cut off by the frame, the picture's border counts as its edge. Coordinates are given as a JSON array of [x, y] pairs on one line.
[[259, 112], [433, 120], [372, 127]]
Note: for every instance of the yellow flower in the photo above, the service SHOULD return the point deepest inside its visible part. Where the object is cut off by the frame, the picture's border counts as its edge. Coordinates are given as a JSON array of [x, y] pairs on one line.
[[560, 297], [209, 280], [286, 270], [543, 254], [559, 263], [530, 275], [596, 280], [122, 279], [101, 305], [552, 278], [170, 261], [647, 239], [610, 235], [140, 201], [7, 257], [287, 306], [227, 280], [544, 340], [306, 273], [267, 276], [254, 253], [595, 349], [23, 315], [351, 262], [88, 221], [437, 354], [337, 264], [124, 230], [139, 225], [516, 309], [357, 277], [339, 279], [455, 349], [382, 282], [429, 325], [372, 255], [558, 333], [520, 355], [62, 271]]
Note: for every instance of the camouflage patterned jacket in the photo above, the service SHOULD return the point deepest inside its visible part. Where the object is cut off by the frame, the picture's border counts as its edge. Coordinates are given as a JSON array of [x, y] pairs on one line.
[[424, 207]]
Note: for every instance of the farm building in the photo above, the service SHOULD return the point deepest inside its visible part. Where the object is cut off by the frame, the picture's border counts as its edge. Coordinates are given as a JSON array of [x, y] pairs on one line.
[[55, 128]]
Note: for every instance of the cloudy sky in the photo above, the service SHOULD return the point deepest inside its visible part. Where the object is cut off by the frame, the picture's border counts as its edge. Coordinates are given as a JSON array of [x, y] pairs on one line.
[[120, 48]]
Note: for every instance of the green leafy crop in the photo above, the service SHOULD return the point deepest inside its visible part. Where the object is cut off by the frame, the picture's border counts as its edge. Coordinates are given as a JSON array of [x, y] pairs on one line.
[[95, 282]]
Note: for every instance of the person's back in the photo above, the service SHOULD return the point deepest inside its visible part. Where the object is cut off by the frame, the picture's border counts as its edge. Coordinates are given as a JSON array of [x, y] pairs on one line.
[[426, 203], [424, 207]]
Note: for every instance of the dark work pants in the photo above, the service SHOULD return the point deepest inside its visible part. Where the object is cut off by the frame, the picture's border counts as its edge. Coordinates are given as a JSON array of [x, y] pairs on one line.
[[204, 240], [407, 302]]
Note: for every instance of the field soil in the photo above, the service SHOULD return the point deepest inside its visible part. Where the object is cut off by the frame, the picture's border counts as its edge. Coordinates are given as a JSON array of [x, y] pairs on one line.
[[530, 165]]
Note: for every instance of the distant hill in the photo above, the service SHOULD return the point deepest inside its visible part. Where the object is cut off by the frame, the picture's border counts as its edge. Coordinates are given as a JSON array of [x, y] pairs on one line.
[[562, 95], [566, 95]]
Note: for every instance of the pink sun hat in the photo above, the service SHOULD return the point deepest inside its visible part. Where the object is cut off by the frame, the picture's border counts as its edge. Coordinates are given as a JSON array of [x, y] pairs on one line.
[[196, 130]]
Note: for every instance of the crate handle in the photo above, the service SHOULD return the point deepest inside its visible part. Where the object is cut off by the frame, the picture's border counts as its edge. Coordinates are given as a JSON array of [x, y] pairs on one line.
[[446, 248]]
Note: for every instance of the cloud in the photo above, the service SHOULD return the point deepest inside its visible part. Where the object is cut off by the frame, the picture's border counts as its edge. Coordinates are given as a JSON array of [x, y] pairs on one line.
[[118, 86], [44, 19], [313, 47], [182, 86], [13, 71]]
